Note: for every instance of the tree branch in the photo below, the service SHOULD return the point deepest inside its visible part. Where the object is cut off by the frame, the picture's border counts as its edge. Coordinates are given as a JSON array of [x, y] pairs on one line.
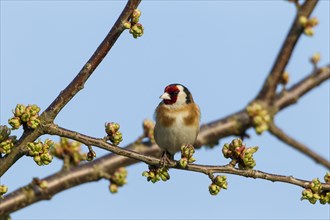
[[299, 89], [278, 133], [78, 82], [95, 170], [209, 134], [72, 89], [268, 91]]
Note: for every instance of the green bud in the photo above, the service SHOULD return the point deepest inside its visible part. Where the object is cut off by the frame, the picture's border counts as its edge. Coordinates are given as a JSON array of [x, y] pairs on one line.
[[127, 25], [46, 158], [19, 110], [136, 13], [163, 174], [4, 132], [154, 177], [309, 31], [221, 181], [145, 173], [315, 185], [25, 116], [37, 147], [325, 198], [43, 184], [214, 189], [15, 122], [137, 30], [33, 110], [307, 194], [111, 128], [257, 120], [90, 156], [313, 21], [119, 176], [6, 146], [253, 109], [303, 20], [64, 141], [226, 152], [116, 138], [267, 118], [30, 147], [191, 160], [114, 135], [135, 20], [113, 188], [152, 174], [3, 189], [183, 162], [33, 122], [261, 128], [251, 150], [37, 159], [237, 143], [49, 143]]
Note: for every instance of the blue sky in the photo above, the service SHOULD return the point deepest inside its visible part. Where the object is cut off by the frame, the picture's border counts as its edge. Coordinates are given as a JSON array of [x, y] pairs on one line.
[[221, 50]]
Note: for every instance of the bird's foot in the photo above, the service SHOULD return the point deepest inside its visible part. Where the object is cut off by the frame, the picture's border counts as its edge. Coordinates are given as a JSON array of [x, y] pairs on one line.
[[165, 159]]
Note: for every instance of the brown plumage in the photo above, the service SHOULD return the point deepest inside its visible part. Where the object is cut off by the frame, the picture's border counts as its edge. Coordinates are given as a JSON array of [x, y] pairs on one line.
[[177, 119]]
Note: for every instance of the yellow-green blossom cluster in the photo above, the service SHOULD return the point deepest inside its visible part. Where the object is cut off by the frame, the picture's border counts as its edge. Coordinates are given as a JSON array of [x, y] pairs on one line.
[[114, 135], [69, 151], [3, 190], [25, 115], [284, 78], [6, 141], [187, 151], [118, 179], [241, 155], [308, 24], [135, 28], [40, 151], [315, 58], [314, 191], [218, 183], [155, 174], [259, 115]]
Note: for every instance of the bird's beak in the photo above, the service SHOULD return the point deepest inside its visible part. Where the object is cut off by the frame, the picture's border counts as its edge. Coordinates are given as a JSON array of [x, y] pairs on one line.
[[165, 96]]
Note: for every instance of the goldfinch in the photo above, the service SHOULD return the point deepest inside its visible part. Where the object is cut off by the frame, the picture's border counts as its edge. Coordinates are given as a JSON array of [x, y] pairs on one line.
[[177, 120]]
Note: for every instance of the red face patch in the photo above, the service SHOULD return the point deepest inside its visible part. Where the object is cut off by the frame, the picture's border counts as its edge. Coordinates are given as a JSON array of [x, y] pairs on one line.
[[173, 91]]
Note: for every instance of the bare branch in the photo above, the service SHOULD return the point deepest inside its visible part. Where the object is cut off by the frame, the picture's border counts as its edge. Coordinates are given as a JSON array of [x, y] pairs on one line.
[[72, 89], [78, 82], [95, 170], [292, 95], [281, 135], [267, 93]]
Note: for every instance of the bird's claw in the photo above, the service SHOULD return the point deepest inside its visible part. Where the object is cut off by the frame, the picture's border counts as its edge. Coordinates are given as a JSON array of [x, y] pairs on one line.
[[165, 159]]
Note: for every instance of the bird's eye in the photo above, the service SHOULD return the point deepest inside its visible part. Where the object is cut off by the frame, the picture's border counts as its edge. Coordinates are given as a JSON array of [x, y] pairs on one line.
[[174, 93]]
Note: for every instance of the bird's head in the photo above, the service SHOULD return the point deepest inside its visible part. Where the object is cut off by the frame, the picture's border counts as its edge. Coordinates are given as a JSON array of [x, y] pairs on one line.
[[176, 95]]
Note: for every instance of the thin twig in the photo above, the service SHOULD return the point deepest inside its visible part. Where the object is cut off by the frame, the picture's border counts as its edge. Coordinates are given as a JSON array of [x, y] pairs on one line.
[[281, 135], [89, 172], [72, 89], [268, 91], [78, 82], [299, 89]]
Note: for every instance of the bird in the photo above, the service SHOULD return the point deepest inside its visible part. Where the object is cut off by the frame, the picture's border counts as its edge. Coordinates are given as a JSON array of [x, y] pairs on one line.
[[177, 121]]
